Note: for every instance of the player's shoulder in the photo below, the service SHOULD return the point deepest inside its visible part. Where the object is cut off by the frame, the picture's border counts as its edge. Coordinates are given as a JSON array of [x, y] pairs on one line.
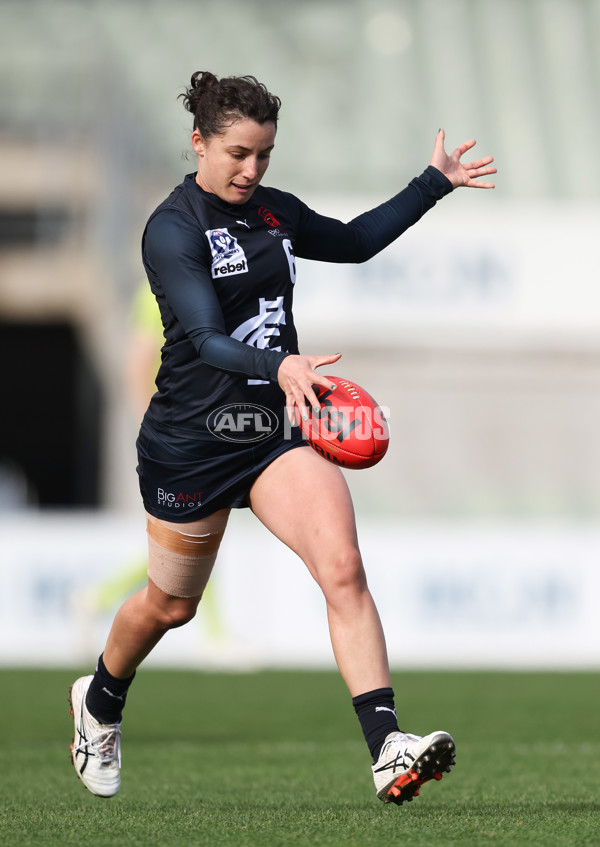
[[179, 199], [174, 226], [175, 212], [265, 193], [273, 201]]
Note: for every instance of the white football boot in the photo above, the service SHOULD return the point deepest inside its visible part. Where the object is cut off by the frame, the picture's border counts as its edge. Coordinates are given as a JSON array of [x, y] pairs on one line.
[[407, 761], [96, 747]]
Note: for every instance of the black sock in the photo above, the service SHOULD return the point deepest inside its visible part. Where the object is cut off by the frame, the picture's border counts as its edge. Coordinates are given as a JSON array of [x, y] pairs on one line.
[[106, 695], [377, 716]]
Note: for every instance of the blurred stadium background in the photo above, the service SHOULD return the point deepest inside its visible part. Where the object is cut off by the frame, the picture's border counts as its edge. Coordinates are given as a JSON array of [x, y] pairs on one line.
[[479, 330]]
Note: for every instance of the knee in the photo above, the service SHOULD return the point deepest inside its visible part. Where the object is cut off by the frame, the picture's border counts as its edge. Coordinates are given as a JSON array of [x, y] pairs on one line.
[[344, 574], [177, 612]]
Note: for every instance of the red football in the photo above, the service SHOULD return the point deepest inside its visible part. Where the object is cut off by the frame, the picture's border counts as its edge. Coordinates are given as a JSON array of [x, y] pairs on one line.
[[349, 429]]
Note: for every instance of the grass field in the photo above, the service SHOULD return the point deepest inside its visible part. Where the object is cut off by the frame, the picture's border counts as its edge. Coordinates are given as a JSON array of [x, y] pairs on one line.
[[276, 758]]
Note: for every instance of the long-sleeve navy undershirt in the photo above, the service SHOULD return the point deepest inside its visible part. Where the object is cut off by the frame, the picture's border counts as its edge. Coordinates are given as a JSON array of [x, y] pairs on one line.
[[176, 255]]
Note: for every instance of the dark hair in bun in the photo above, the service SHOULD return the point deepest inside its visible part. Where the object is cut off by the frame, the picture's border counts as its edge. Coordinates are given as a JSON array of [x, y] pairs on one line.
[[216, 103]]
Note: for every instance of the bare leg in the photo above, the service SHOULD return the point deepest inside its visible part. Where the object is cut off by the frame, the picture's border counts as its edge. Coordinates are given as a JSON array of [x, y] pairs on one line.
[[139, 625], [304, 500], [146, 616]]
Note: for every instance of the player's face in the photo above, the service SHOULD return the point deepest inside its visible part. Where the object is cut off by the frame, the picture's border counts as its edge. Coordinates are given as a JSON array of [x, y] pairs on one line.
[[231, 165]]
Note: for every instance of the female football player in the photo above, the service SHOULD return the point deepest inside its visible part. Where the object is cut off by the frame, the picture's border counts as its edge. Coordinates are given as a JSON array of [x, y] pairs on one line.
[[219, 254]]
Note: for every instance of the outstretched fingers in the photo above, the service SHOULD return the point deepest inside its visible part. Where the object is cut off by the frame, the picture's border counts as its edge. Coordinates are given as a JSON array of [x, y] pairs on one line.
[[480, 163], [476, 169], [476, 183], [297, 378], [475, 174], [457, 173], [462, 148]]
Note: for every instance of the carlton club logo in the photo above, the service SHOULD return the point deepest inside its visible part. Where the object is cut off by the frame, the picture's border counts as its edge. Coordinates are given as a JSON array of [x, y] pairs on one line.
[[268, 216], [242, 422]]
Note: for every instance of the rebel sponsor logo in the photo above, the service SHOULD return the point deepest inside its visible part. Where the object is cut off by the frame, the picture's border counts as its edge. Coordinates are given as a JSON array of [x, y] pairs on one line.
[[229, 269], [242, 422], [228, 258], [179, 499], [268, 216]]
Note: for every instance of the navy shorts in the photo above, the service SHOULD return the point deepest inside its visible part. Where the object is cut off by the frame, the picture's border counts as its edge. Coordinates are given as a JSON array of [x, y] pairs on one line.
[[188, 477]]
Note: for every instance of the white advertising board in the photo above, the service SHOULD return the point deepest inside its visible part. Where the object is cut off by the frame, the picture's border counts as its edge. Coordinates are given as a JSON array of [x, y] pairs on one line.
[[450, 595], [477, 269]]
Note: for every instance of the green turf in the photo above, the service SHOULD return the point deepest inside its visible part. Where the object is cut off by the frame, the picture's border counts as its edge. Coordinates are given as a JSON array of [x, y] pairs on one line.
[[276, 759]]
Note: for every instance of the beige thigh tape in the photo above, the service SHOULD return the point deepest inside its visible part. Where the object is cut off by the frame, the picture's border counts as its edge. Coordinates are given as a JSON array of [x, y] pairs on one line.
[[180, 563]]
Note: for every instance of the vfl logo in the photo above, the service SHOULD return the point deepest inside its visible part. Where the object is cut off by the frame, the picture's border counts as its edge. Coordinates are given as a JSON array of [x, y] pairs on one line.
[[242, 422], [228, 258]]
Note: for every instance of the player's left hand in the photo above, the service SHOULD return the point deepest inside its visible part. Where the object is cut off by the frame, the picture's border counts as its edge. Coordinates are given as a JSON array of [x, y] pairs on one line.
[[458, 173]]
